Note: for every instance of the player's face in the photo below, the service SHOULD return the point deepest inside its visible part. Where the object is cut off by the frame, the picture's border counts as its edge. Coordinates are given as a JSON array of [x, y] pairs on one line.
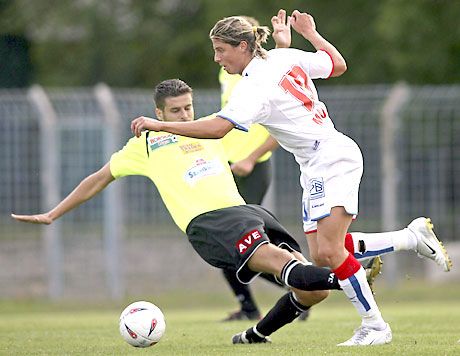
[[232, 59], [177, 108]]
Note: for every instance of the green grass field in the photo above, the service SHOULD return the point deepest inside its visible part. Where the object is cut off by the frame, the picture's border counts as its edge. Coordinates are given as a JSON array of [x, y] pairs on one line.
[[425, 321]]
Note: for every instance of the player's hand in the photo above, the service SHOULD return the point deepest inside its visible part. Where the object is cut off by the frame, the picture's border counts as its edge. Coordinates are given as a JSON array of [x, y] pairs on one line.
[[33, 219], [143, 123], [242, 168], [303, 23], [281, 29]]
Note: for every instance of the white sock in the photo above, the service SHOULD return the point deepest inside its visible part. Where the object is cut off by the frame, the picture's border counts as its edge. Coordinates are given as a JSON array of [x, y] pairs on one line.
[[383, 242], [359, 293]]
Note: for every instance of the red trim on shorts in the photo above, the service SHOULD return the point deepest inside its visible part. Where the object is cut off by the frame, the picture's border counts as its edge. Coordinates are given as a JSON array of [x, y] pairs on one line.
[[332, 71], [348, 268], [310, 232], [349, 245]]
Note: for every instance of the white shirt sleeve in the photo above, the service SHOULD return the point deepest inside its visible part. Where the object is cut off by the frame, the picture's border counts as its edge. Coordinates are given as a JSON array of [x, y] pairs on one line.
[[247, 105], [318, 64]]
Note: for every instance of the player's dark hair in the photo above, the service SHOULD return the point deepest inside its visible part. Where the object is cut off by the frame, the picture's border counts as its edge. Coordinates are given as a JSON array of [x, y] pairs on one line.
[[235, 29], [169, 88]]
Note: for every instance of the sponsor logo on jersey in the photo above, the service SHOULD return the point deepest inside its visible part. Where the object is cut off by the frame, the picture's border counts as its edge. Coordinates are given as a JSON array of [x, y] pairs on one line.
[[317, 205], [316, 188], [248, 240], [160, 141], [203, 168], [191, 147]]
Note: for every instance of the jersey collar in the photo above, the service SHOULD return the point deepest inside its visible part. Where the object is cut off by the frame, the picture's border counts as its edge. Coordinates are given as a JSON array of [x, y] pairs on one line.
[[252, 66]]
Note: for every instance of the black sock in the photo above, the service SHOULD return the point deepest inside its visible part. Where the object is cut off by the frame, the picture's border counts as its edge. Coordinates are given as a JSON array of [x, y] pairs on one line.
[[242, 291], [308, 277], [285, 311], [272, 279]]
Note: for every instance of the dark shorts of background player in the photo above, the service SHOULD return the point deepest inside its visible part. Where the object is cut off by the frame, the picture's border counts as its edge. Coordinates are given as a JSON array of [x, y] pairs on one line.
[[218, 236]]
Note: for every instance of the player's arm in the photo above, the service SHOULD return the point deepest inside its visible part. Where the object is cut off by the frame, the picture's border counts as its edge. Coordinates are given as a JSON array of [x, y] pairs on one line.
[[304, 24], [245, 166], [212, 128], [88, 188]]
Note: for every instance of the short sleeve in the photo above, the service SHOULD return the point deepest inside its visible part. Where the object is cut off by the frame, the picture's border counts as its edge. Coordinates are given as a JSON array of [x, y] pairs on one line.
[[318, 64], [131, 159], [247, 105]]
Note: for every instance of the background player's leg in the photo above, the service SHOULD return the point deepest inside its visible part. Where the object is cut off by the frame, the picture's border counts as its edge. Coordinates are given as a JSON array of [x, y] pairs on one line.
[[248, 308]]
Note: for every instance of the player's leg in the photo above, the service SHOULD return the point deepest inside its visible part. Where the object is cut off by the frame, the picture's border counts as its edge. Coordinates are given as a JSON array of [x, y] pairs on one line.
[[418, 236], [248, 308], [268, 258], [372, 266], [352, 278], [286, 309], [289, 307]]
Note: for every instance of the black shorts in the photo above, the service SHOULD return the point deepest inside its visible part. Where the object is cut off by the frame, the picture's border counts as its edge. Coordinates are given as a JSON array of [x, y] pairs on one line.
[[227, 238]]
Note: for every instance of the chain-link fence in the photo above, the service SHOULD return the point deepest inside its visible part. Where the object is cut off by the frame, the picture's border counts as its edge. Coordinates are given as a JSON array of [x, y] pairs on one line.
[[124, 239]]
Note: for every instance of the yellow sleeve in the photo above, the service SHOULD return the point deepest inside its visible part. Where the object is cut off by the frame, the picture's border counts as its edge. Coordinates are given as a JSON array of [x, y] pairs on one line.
[[132, 159]]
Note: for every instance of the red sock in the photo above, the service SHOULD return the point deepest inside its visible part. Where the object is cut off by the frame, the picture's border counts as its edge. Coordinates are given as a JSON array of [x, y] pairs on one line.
[[349, 243], [348, 268]]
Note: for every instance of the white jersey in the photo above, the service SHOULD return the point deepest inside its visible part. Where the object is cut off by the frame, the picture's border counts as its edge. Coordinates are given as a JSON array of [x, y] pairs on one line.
[[278, 92]]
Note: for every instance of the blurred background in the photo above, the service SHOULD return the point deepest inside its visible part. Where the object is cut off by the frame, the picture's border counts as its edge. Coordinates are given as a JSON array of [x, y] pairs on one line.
[[74, 73]]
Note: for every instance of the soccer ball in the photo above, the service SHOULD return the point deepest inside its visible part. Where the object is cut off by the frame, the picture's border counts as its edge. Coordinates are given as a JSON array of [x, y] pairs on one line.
[[142, 324]]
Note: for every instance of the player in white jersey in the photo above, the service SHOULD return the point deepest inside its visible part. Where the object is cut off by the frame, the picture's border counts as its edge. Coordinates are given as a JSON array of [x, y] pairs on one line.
[[277, 91]]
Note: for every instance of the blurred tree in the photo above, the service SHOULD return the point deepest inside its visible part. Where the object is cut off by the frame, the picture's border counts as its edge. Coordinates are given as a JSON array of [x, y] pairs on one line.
[[15, 63], [421, 40], [136, 43]]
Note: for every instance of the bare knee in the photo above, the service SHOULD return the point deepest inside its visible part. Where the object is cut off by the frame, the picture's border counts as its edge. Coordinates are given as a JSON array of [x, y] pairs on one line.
[[331, 255], [269, 259], [309, 298]]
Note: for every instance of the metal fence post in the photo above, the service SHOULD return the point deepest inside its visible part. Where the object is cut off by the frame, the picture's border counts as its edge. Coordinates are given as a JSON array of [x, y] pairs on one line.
[[50, 186], [113, 216], [390, 121], [269, 200]]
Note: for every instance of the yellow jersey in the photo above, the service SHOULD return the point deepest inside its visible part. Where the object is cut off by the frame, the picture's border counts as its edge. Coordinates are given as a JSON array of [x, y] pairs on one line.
[[239, 144], [192, 175]]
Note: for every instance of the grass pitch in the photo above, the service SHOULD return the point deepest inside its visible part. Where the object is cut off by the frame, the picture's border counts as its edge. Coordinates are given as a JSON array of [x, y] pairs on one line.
[[424, 320]]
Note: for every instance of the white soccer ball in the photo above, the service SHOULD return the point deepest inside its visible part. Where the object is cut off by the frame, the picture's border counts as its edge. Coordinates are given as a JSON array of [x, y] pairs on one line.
[[142, 324]]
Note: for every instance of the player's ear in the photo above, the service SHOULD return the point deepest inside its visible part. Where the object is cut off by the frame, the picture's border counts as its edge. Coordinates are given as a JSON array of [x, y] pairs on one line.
[[159, 114], [243, 46]]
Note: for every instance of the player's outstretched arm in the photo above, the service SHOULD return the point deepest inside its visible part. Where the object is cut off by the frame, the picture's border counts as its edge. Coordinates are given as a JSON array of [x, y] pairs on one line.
[[304, 24], [87, 189], [213, 128]]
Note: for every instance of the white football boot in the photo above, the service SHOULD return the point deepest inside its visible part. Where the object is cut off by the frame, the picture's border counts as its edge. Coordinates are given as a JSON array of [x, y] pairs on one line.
[[365, 336], [428, 244]]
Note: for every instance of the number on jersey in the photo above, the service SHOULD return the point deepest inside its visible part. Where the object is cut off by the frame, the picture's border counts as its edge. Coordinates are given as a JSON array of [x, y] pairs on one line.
[[295, 82]]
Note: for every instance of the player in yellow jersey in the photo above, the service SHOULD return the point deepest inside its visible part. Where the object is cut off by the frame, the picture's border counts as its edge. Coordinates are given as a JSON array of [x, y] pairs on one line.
[[199, 191]]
